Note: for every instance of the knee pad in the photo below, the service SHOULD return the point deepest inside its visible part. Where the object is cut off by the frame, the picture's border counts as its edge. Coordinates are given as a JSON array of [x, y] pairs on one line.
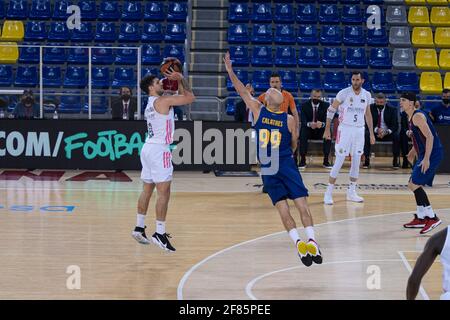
[[337, 165]]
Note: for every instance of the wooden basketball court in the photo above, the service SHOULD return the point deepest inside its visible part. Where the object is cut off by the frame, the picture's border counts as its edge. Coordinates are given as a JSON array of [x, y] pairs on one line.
[[229, 239]]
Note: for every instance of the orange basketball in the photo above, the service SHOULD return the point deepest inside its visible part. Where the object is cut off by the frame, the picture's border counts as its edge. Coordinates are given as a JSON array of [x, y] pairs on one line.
[[172, 64]]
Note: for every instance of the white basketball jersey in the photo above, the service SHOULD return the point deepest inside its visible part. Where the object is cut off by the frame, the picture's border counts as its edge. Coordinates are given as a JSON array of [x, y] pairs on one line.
[[353, 107], [445, 261], [160, 127]]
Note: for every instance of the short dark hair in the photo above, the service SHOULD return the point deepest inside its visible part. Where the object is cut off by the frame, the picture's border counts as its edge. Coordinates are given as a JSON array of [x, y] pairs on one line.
[[445, 91], [356, 72], [129, 88], [146, 82], [275, 75]]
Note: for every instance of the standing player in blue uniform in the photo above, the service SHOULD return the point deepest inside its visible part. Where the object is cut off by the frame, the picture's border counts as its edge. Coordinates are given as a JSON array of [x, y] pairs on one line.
[[277, 138], [429, 153]]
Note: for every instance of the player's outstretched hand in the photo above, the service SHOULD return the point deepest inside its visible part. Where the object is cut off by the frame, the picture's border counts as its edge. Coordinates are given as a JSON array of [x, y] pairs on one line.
[[228, 63], [425, 164], [173, 75]]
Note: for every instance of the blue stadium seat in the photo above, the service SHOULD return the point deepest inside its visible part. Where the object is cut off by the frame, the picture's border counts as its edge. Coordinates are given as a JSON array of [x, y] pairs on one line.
[[334, 81], [147, 71], [88, 10], [350, 1], [152, 32], [354, 36], [238, 33], [408, 81], [261, 80], [434, 102], [262, 12], [377, 37], [284, 34], [84, 34], [262, 56], [18, 9], [351, 14], [26, 76], [329, 14], [102, 55], [54, 54], [154, 11], [332, 58], [60, 9], [126, 56], [309, 57], [306, 13], [310, 80], [330, 35], [366, 85], [151, 54], [356, 58], [99, 105], [129, 32], [78, 55], [231, 105], [173, 50], [308, 34], [262, 33], [242, 75], [35, 30], [100, 78], [58, 32], [289, 81], [238, 12], [285, 57], [123, 77], [175, 32], [131, 11], [380, 58], [75, 77], [177, 11], [106, 32], [29, 55], [383, 82], [52, 76], [375, 1], [109, 11], [6, 76], [40, 10], [284, 13], [71, 103], [240, 56]]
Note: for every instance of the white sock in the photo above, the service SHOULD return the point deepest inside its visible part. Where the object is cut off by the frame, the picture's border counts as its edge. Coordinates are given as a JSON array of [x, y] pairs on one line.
[[140, 220], [160, 227], [429, 212], [330, 188], [352, 186], [420, 212], [293, 233], [310, 233]]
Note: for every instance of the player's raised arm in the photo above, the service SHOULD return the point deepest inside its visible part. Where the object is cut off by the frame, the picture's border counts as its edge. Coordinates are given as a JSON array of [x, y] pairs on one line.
[[253, 104], [330, 115], [185, 96]]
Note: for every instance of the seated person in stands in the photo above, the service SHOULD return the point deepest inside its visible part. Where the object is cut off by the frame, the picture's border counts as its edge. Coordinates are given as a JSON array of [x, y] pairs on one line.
[[441, 114], [242, 113], [124, 106], [27, 108], [386, 128], [313, 115]]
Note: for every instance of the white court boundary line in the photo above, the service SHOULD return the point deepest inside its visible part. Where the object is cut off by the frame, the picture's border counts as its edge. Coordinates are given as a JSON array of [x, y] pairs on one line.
[[197, 265], [408, 267]]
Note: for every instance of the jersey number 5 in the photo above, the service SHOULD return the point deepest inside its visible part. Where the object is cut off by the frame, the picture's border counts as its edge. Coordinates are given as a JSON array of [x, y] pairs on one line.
[[266, 136]]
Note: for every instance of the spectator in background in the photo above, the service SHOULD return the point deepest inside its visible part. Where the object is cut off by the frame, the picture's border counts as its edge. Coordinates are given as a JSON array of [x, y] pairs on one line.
[[125, 106], [385, 127], [27, 108], [441, 114], [242, 113], [313, 115]]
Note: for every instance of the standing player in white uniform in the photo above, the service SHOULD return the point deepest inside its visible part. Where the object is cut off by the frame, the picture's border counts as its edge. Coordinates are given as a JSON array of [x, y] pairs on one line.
[[156, 158], [353, 103], [438, 244]]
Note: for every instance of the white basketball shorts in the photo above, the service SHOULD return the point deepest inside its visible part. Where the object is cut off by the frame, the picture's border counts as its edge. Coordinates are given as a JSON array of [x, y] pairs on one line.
[[350, 140], [156, 160]]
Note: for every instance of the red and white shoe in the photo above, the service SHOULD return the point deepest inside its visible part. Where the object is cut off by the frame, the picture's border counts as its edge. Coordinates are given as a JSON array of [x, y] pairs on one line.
[[431, 223], [415, 223]]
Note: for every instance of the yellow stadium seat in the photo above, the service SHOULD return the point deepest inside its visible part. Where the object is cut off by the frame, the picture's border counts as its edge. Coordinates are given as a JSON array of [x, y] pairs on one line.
[[442, 37], [9, 52], [13, 31], [418, 16], [415, 2], [431, 83], [447, 81], [422, 37], [437, 2], [440, 16], [444, 59], [427, 59]]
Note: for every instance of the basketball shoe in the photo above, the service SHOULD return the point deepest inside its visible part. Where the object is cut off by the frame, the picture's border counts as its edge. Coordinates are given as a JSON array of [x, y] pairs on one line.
[[415, 223], [430, 224], [139, 235], [353, 196], [302, 251], [328, 198], [314, 251], [162, 241]]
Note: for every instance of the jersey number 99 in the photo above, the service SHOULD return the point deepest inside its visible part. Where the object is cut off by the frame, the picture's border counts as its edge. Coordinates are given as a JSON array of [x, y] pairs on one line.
[[266, 136]]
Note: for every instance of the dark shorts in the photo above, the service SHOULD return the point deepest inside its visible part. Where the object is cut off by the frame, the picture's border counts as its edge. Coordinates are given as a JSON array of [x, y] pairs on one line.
[[421, 179]]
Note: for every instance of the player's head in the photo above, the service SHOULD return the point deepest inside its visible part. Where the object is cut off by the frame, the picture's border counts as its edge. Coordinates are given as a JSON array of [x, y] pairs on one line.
[[275, 81], [152, 85], [274, 98], [408, 101], [446, 97], [357, 80]]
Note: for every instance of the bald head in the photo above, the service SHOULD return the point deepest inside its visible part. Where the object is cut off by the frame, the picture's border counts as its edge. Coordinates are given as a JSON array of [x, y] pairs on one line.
[[274, 97]]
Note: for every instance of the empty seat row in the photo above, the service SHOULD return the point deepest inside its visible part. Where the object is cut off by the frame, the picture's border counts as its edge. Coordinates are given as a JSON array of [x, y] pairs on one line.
[[105, 32], [107, 10], [285, 13], [426, 2], [379, 58], [12, 31], [427, 59], [307, 34], [419, 16], [421, 37]]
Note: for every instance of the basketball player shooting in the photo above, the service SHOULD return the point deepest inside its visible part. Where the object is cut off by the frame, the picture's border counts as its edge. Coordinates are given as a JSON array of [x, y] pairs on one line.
[[156, 158], [276, 134]]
